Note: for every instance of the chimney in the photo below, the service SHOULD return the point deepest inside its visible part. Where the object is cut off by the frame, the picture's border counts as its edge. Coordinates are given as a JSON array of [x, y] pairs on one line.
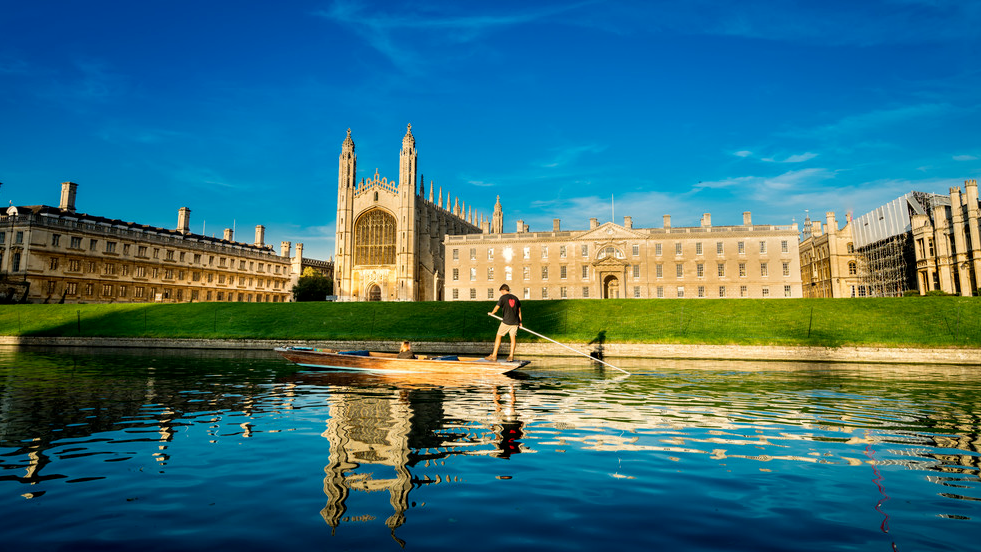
[[816, 228], [284, 248], [521, 226], [229, 234], [260, 235], [299, 251], [555, 225], [706, 220], [832, 222], [628, 222], [68, 190], [747, 219], [593, 223], [184, 220], [667, 221]]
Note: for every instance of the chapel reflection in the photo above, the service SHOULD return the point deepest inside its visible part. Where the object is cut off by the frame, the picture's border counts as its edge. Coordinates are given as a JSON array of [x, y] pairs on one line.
[[377, 439]]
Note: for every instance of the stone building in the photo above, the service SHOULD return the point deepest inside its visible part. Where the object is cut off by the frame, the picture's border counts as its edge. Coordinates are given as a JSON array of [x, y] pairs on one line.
[[829, 265], [946, 233], [56, 254], [389, 236], [619, 261]]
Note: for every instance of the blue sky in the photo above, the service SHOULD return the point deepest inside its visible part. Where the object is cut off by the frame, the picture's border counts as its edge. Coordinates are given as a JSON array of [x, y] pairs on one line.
[[237, 110]]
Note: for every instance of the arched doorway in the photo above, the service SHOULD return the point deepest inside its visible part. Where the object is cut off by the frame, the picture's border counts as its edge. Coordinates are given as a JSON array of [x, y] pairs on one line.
[[374, 293], [611, 287]]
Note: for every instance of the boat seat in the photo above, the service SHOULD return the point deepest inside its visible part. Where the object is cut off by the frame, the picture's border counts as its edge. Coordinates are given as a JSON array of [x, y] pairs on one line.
[[354, 353], [447, 357]]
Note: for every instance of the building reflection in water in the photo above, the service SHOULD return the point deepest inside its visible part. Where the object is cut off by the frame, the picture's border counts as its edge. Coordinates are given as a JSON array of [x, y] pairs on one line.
[[405, 426]]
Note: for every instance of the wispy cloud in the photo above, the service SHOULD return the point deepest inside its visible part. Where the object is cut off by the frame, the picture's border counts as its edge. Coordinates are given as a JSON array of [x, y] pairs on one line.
[[965, 158], [570, 155]]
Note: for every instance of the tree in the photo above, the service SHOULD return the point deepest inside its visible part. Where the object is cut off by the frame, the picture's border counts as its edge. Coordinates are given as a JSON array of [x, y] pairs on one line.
[[312, 286]]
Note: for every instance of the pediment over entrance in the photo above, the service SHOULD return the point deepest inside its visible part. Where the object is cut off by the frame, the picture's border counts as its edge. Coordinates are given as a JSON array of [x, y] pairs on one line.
[[610, 263], [611, 231]]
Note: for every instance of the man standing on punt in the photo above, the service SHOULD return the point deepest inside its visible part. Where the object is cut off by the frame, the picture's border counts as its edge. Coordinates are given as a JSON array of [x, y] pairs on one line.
[[510, 307]]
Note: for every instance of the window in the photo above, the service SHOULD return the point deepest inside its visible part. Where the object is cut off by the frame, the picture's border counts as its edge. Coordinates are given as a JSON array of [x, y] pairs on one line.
[[698, 248], [743, 291], [544, 273], [657, 249], [526, 252], [637, 292], [106, 290], [3, 237], [561, 251], [660, 292], [722, 270], [701, 291], [762, 247], [92, 245], [786, 291], [110, 247], [456, 293], [55, 239], [89, 289], [141, 271], [562, 272], [585, 293], [742, 270], [19, 237], [741, 248], [585, 272], [169, 273], [169, 255], [507, 275], [473, 253], [722, 291], [679, 270], [54, 263], [156, 254], [544, 251], [76, 242], [718, 248], [766, 291], [473, 293], [71, 288], [783, 246], [763, 270], [786, 269], [544, 293], [585, 250], [74, 265], [109, 269], [563, 293], [90, 268], [490, 253], [490, 274], [852, 268], [681, 292], [51, 287], [456, 254], [197, 260], [526, 293], [16, 261], [141, 251], [850, 248], [700, 270], [490, 293], [677, 248], [374, 239], [525, 273], [635, 250], [659, 270], [636, 271]]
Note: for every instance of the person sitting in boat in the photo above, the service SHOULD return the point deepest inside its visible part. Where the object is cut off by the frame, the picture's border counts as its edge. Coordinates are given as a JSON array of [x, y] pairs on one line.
[[405, 351]]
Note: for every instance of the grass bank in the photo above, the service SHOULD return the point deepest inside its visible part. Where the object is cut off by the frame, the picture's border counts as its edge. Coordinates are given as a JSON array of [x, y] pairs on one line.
[[900, 322]]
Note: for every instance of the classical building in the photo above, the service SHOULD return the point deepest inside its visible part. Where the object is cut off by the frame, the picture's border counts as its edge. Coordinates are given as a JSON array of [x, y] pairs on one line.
[[389, 236], [56, 254], [829, 265], [619, 261], [946, 233]]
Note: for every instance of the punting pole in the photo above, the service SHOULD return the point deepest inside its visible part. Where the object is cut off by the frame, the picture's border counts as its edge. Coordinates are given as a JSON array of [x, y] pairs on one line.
[[563, 345]]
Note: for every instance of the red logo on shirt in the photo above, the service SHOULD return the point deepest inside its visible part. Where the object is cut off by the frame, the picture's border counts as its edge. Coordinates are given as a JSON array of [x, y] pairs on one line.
[[511, 302]]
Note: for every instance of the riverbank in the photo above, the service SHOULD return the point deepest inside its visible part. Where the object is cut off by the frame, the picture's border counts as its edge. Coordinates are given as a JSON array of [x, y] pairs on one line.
[[882, 355]]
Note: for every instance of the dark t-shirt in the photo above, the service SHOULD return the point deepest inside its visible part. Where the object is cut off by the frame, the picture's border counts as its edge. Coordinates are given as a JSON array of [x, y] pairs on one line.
[[510, 306]]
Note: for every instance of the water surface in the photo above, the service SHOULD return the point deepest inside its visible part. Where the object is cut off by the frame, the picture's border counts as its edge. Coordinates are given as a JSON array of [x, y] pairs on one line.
[[157, 450]]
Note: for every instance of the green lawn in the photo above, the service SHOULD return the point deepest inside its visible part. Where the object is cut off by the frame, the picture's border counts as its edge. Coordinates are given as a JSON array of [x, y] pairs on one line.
[[911, 321]]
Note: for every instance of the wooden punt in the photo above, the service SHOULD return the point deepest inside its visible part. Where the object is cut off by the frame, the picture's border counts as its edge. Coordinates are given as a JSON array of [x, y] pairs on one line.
[[372, 361]]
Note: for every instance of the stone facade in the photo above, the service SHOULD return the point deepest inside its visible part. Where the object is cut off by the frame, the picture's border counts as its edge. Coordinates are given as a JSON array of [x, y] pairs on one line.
[[829, 265], [56, 254], [947, 242], [619, 261], [389, 236]]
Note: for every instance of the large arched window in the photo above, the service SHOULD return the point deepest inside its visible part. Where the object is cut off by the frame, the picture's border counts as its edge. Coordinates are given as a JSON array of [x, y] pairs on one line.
[[374, 238], [609, 251]]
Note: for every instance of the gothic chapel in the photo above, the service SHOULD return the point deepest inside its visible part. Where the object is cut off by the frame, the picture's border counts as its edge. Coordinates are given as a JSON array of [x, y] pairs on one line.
[[389, 236]]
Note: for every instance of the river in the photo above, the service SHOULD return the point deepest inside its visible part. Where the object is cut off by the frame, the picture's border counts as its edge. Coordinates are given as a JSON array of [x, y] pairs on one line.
[[181, 450]]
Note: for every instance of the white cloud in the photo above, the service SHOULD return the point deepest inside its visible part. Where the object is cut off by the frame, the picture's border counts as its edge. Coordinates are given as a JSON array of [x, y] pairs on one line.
[[965, 158], [743, 153]]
